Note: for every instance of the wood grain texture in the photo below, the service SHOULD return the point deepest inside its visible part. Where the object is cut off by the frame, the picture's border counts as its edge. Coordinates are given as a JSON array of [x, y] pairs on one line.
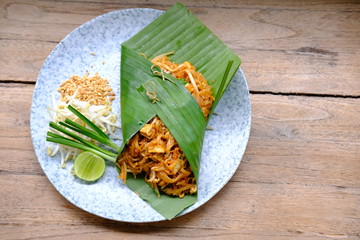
[[310, 46], [299, 179]]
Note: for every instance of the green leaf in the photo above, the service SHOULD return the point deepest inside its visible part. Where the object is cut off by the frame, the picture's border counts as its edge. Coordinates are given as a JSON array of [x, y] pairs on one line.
[[180, 31], [135, 70], [167, 206]]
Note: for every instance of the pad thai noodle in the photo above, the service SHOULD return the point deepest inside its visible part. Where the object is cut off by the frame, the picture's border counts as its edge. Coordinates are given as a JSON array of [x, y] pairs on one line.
[[154, 151]]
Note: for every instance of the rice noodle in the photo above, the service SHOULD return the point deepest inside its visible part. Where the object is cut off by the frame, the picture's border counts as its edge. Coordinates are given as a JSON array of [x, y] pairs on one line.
[[154, 151]]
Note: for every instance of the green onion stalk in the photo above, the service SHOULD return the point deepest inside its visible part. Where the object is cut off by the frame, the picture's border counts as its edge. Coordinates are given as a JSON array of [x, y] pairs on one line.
[[76, 141]]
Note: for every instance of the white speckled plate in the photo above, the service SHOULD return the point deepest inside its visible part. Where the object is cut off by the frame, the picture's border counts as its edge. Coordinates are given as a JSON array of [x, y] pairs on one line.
[[109, 197]]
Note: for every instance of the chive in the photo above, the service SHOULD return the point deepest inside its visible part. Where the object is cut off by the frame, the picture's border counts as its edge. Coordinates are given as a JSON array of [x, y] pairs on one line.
[[89, 133], [78, 142], [80, 139], [71, 143], [87, 121]]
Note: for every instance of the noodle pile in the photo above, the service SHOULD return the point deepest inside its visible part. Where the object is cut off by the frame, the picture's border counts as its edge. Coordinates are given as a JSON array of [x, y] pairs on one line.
[[197, 84], [154, 151]]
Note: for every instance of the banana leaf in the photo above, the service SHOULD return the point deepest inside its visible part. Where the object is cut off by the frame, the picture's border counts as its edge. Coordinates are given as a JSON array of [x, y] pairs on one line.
[[176, 30]]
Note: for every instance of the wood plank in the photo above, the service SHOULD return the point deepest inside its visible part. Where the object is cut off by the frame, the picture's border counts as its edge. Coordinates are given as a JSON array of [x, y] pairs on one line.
[[298, 179], [313, 47], [313, 5], [15, 139], [22, 59], [241, 210], [328, 129]]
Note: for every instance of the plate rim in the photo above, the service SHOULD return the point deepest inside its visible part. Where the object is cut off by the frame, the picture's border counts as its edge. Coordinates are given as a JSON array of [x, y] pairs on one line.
[[36, 88]]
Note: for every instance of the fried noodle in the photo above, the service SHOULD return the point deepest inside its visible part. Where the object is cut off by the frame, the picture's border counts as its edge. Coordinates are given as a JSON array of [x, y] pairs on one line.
[[154, 151]]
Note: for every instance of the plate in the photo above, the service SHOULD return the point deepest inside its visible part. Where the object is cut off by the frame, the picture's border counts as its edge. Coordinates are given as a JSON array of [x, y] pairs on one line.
[[95, 47]]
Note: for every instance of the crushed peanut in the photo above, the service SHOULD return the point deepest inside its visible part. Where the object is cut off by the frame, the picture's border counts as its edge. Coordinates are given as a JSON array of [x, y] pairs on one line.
[[92, 89]]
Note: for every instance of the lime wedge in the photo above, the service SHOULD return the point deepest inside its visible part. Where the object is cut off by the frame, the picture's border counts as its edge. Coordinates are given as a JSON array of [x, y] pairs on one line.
[[89, 166]]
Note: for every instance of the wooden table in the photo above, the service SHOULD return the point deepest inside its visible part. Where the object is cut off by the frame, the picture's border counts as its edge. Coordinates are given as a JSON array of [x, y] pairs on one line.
[[300, 175]]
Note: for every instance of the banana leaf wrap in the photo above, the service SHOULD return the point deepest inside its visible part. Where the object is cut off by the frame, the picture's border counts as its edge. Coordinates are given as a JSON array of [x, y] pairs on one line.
[[176, 30]]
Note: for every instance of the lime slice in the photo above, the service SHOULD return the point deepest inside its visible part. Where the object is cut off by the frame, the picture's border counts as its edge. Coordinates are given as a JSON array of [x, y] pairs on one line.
[[89, 166]]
